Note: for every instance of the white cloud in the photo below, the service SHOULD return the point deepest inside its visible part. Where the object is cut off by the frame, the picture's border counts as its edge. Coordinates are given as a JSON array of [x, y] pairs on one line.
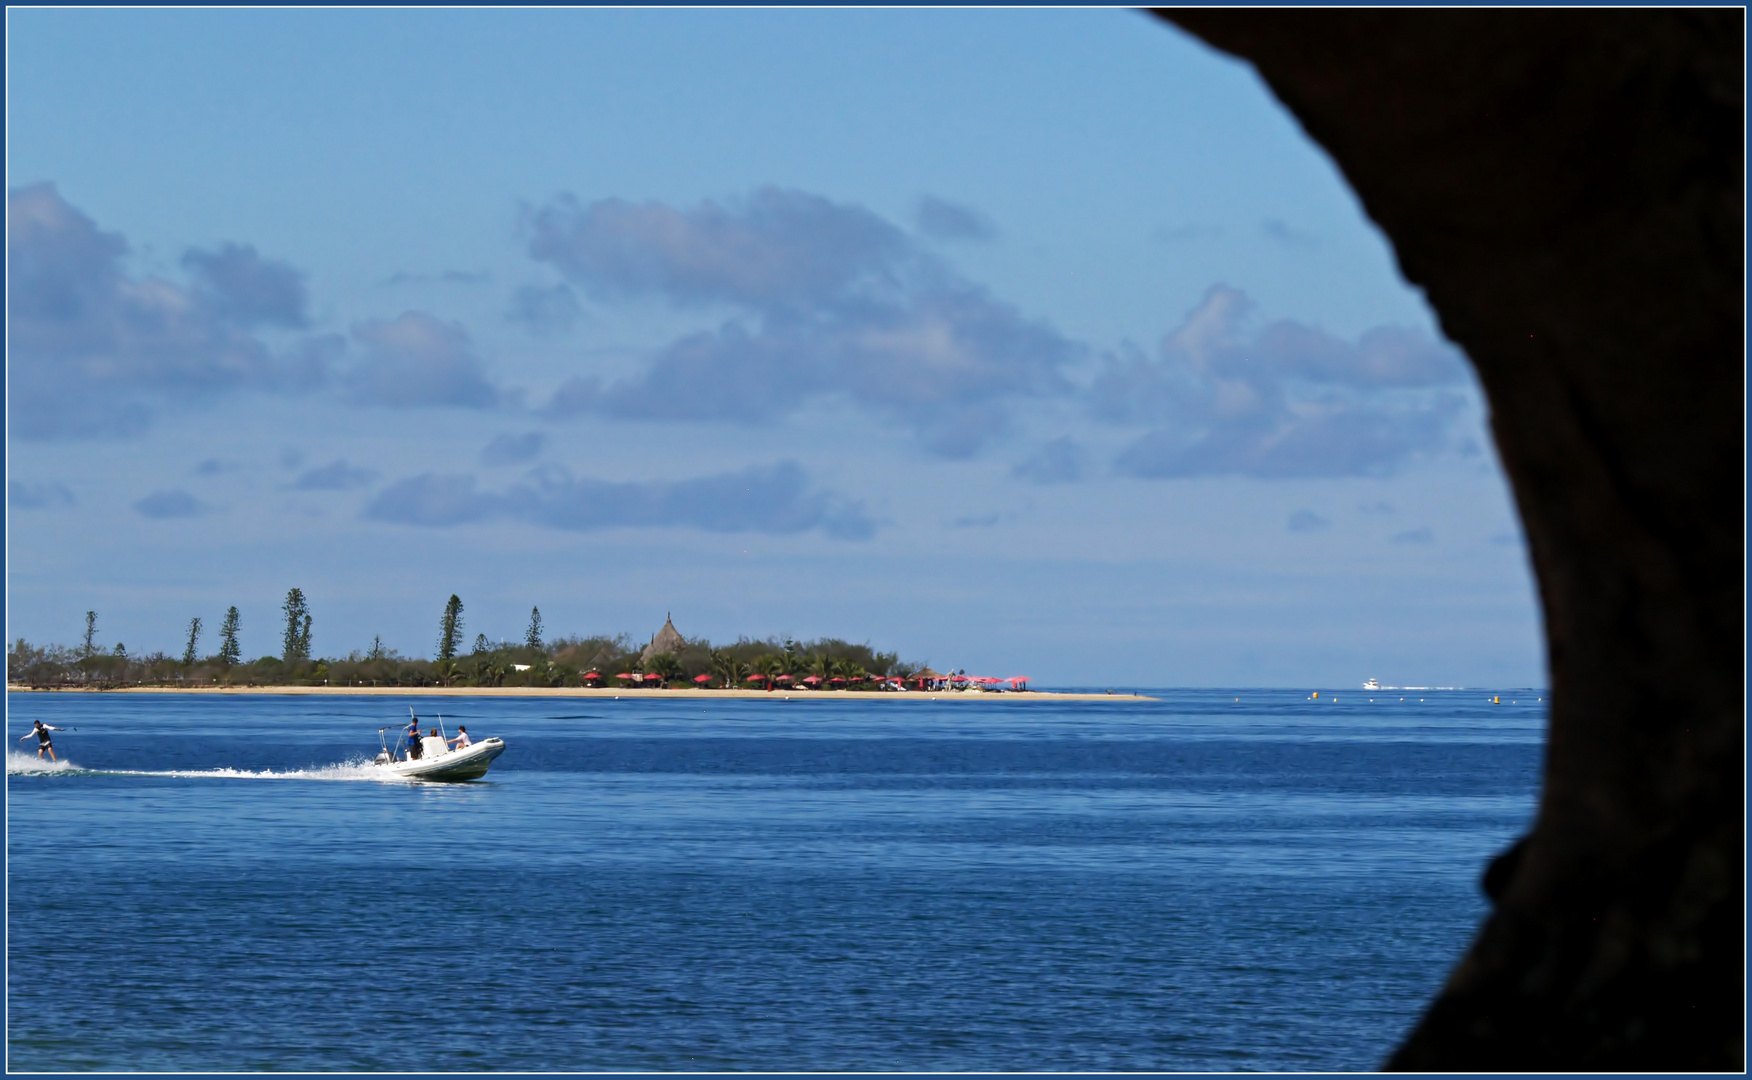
[[1060, 461], [335, 476], [96, 353], [765, 499], [941, 219], [26, 496], [832, 300], [417, 360], [1225, 396], [162, 505]]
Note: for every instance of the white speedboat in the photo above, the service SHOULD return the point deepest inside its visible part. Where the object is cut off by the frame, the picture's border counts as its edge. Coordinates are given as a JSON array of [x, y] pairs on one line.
[[1371, 685], [438, 760]]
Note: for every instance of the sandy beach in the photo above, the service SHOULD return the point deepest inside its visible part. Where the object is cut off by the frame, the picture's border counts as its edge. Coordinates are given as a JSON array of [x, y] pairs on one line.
[[607, 692]]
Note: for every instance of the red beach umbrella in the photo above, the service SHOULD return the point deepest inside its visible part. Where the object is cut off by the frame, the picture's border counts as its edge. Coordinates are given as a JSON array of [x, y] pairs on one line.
[[757, 678], [653, 677], [784, 678], [702, 678], [626, 675], [813, 679], [593, 675]]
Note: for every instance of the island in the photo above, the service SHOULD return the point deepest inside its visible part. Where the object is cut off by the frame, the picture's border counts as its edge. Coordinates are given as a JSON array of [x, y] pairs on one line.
[[667, 665]]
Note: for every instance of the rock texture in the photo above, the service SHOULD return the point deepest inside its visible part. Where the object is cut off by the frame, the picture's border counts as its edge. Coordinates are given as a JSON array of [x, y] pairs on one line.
[[1567, 187]]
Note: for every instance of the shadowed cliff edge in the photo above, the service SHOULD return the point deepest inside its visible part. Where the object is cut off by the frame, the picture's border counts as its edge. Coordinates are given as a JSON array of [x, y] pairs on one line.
[[1567, 187]]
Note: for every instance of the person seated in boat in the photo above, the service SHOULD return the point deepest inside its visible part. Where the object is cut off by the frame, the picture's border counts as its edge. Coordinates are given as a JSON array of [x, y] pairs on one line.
[[462, 740]]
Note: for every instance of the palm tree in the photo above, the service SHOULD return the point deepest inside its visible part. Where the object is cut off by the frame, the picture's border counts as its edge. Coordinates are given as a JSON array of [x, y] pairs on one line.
[[735, 672], [724, 666], [820, 666], [729, 670], [665, 666], [771, 665], [848, 669]]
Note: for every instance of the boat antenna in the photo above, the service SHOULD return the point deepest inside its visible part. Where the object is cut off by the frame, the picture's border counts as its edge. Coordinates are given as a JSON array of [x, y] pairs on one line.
[[441, 730]]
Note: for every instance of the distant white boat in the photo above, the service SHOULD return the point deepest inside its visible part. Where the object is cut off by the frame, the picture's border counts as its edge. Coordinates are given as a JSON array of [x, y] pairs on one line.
[[1371, 685], [439, 761]]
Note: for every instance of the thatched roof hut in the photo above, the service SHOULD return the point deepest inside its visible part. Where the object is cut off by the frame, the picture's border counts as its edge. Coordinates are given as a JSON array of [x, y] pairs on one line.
[[927, 673], [667, 640]]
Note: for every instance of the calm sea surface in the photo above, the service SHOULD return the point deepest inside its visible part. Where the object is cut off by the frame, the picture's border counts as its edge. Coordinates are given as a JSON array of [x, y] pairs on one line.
[[1192, 883]]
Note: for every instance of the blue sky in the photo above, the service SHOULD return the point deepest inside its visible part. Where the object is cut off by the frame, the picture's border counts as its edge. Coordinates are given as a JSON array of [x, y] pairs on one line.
[[1030, 342]]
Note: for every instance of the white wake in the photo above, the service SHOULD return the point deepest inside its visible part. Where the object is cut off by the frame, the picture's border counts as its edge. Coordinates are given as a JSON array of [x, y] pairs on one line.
[[18, 764], [27, 765]]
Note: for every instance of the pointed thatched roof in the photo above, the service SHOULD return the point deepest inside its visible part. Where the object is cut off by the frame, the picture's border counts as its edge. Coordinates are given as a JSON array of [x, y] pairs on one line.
[[668, 640], [927, 673]]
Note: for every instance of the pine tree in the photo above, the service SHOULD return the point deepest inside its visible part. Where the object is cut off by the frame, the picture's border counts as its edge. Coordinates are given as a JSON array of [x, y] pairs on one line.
[[450, 629], [194, 641], [533, 638], [90, 633], [295, 641], [229, 652], [480, 644]]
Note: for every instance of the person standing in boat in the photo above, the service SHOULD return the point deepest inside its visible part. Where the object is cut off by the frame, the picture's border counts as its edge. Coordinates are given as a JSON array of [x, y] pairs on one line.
[[44, 741], [413, 739], [462, 740]]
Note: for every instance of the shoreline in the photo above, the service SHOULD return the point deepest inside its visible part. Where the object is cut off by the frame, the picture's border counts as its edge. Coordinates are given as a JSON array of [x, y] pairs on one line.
[[589, 692]]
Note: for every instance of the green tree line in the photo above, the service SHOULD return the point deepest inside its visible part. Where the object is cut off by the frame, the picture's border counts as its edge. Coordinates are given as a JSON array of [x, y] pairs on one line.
[[536, 660]]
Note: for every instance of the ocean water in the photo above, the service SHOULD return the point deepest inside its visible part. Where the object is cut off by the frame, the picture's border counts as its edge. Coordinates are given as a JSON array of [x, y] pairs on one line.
[[1195, 883]]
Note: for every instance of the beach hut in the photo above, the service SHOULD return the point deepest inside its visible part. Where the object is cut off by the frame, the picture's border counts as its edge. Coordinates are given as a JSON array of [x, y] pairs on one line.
[[928, 679], [666, 640]]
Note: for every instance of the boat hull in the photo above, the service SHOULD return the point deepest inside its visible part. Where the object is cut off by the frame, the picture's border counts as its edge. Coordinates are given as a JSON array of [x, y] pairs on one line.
[[466, 764]]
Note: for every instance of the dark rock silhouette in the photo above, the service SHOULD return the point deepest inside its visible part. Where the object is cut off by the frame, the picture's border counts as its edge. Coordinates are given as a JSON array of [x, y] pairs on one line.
[[1567, 187]]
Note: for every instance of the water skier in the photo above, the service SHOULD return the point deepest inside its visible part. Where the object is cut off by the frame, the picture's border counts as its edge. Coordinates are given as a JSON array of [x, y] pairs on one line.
[[44, 742]]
